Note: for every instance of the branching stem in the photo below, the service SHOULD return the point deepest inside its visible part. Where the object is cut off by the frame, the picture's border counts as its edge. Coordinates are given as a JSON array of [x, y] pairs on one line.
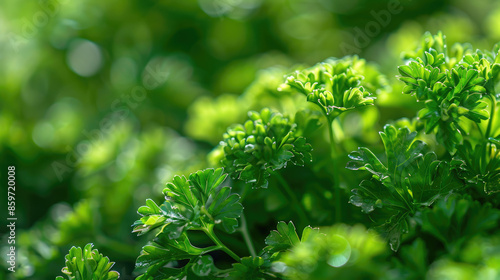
[[209, 230]]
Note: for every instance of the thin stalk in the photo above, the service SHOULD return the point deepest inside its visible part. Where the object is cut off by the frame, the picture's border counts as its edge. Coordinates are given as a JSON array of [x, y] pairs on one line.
[[295, 201], [336, 181], [490, 123], [211, 234], [246, 235], [492, 114], [211, 249]]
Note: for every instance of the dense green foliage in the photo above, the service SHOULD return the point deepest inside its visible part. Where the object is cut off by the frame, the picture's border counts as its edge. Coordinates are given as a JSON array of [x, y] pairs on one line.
[[414, 196], [380, 162]]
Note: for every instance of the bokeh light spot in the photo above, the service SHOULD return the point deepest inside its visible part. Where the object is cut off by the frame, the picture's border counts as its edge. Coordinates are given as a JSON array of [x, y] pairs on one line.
[[84, 57], [340, 253]]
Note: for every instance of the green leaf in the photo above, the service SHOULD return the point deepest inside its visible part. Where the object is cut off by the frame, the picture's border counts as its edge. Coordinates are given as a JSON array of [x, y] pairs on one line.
[[401, 150], [285, 237], [372, 194], [167, 216], [158, 257], [338, 85], [164, 250], [198, 203], [190, 203], [180, 192], [222, 206], [410, 178], [88, 264], [452, 87], [420, 79], [268, 141]]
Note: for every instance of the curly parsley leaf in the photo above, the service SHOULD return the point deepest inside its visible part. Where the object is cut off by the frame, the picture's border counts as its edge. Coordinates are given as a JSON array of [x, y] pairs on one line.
[[410, 178], [218, 203], [453, 86], [190, 203], [172, 219], [88, 264], [338, 85], [198, 203], [267, 142]]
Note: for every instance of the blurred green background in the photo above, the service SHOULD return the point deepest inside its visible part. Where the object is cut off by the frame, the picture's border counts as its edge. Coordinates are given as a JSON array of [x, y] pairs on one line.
[[103, 102]]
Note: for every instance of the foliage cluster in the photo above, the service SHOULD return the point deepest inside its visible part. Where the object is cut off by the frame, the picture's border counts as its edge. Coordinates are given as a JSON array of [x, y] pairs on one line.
[[416, 196]]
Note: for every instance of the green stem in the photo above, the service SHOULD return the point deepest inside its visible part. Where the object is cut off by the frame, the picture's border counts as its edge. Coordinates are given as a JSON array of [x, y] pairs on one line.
[[203, 210], [492, 114], [295, 201], [210, 249], [490, 124], [209, 230], [336, 181], [246, 235]]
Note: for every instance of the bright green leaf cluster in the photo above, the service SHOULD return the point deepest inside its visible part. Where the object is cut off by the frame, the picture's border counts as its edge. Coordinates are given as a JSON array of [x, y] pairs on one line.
[[451, 85], [409, 188], [88, 265], [411, 177], [338, 85], [198, 203], [191, 203], [268, 141]]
